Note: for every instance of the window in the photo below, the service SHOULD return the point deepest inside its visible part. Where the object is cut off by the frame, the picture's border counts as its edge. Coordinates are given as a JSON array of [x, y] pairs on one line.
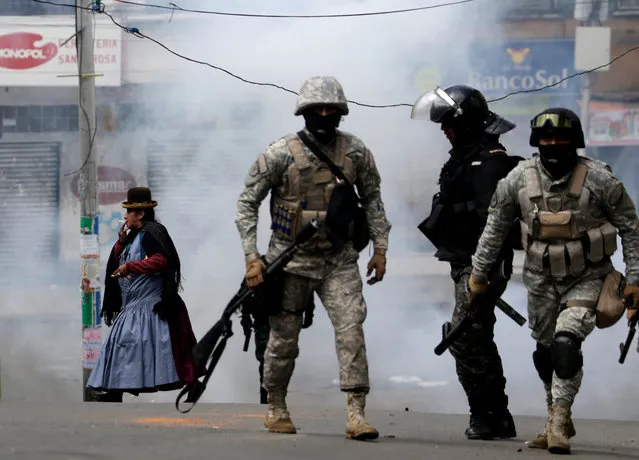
[[625, 7], [39, 119], [31, 8], [528, 9]]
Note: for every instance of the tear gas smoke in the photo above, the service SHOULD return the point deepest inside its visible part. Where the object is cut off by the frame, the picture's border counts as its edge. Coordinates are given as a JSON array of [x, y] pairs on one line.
[[378, 60]]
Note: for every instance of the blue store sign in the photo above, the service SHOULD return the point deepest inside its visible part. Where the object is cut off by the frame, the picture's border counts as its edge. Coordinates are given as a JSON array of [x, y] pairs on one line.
[[499, 68]]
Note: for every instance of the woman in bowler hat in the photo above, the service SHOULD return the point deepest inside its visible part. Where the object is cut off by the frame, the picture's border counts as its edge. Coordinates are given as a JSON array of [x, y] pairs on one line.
[[149, 346]]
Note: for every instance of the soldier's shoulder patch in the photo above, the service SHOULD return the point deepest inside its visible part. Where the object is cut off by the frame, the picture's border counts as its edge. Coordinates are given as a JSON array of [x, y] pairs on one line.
[[615, 193], [259, 167], [494, 201], [371, 159]]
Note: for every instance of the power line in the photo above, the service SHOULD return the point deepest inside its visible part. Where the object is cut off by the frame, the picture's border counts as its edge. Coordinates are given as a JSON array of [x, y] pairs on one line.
[[175, 7], [584, 72], [70, 5], [136, 32]]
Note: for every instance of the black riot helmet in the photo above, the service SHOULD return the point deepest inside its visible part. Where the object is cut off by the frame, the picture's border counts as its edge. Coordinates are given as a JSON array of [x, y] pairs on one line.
[[462, 107], [563, 130], [557, 123]]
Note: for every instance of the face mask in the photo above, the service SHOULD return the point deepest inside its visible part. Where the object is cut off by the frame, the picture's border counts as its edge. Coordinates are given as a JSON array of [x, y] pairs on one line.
[[557, 159], [323, 127], [459, 132]]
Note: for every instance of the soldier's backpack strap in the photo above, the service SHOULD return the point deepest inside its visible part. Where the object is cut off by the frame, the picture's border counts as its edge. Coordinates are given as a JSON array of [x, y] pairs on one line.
[[300, 161], [577, 180], [533, 182]]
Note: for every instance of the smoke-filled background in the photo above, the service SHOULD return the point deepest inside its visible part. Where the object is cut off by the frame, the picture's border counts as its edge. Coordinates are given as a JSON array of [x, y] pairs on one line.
[[218, 127]]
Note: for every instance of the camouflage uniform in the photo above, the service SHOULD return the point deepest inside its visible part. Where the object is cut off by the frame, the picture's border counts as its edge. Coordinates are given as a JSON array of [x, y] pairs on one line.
[[563, 278], [262, 331], [284, 169], [256, 317]]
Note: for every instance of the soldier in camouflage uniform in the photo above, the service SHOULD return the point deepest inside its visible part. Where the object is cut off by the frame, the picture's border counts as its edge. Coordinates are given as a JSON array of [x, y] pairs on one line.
[[301, 186], [570, 208]]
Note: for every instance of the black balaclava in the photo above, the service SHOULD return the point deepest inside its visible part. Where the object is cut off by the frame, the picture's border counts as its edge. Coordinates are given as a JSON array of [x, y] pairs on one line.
[[323, 127], [459, 131], [558, 159]]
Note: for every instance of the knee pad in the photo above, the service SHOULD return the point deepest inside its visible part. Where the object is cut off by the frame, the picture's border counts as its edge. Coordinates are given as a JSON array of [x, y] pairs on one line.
[[566, 355], [543, 363]]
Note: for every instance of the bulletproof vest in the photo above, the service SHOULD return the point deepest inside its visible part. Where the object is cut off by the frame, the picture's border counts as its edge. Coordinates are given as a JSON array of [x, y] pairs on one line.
[[455, 218], [558, 229], [308, 191]]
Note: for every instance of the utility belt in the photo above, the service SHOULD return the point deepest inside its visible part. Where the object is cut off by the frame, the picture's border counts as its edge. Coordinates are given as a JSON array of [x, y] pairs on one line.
[[289, 219]]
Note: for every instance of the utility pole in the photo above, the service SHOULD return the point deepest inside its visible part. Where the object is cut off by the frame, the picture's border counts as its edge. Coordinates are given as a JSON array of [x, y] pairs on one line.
[[88, 191]]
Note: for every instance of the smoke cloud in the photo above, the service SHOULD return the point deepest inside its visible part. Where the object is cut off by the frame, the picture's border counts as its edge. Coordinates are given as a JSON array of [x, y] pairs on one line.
[[378, 60]]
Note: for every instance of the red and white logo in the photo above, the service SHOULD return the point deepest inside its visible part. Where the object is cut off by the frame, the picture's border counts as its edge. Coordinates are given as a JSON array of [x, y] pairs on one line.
[[18, 51]]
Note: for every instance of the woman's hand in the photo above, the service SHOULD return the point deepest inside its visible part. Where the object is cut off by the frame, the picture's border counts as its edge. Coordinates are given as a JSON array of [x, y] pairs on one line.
[[122, 270]]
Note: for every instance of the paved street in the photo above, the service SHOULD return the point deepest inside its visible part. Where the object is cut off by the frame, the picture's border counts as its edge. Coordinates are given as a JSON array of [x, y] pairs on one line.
[[42, 416], [95, 431]]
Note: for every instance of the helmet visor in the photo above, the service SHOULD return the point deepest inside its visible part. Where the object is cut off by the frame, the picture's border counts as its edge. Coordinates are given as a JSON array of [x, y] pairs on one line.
[[433, 105]]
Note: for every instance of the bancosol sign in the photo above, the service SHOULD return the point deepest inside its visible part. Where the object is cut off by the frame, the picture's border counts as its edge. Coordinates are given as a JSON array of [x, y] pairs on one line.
[[499, 68], [113, 184]]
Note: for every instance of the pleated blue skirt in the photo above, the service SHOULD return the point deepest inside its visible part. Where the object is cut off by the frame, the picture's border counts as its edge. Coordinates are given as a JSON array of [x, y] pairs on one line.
[[137, 355]]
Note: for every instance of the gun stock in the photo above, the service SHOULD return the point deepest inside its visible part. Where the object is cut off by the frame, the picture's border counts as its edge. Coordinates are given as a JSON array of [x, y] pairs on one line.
[[625, 346], [214, 341], [632, 324], [450, 335], [510, 311]]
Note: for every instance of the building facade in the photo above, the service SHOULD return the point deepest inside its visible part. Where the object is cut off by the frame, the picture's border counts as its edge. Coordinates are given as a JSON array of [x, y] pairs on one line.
[[613, 104], [139, 144], [136, 137], [534, 46]]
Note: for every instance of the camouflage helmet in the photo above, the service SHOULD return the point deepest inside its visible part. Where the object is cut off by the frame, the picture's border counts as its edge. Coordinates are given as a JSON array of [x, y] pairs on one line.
[[321, 91]]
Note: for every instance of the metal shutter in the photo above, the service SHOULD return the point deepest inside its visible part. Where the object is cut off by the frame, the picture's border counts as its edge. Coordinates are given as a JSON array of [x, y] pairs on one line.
[[29, 205]]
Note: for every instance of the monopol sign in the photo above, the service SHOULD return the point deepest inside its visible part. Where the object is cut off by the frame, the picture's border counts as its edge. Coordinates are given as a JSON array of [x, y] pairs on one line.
[[35, 55]]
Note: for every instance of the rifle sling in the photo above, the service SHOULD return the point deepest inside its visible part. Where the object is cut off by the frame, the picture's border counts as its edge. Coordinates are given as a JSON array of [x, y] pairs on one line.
[[323, 157], [195, 384]]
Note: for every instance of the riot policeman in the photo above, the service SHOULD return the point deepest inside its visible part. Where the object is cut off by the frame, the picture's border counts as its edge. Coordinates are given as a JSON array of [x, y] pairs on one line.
[[571, 208], [458, 215]]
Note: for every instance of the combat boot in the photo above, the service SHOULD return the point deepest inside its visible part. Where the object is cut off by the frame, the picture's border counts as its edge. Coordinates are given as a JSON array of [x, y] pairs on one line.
[[357, 426], [277, 419], [502, 423], [558, 431], [541, 441], [479, 427]]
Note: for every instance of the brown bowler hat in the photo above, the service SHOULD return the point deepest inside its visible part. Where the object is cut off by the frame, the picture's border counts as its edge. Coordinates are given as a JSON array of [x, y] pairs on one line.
[[139, 198]]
